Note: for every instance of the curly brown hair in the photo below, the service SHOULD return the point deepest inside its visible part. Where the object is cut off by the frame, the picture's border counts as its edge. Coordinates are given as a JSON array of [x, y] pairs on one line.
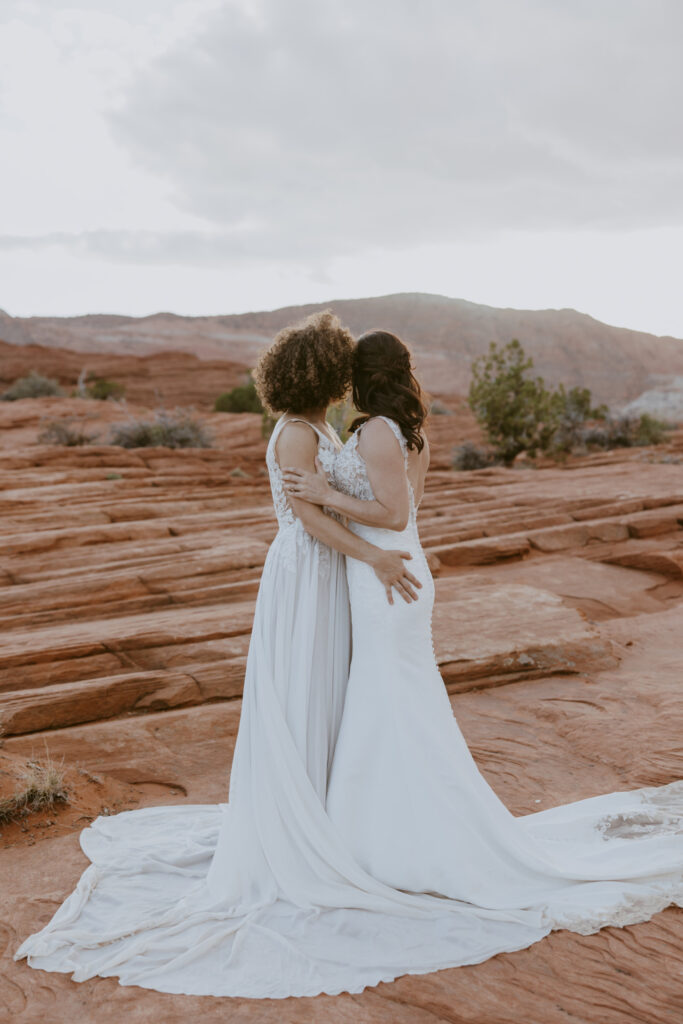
[[307, 366], [384, 385]]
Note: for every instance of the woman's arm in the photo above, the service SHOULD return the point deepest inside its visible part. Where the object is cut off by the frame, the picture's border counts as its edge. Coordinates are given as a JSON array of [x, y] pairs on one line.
[[297, 446], [383, 458]]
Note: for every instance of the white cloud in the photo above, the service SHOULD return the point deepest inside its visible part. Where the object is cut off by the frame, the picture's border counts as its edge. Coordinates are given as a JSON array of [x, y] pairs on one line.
[[351, 125]]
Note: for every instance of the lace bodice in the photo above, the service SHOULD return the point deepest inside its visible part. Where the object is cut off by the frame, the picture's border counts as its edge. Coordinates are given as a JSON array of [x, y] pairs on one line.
[[294, 539], [327, 451], [349, 471]]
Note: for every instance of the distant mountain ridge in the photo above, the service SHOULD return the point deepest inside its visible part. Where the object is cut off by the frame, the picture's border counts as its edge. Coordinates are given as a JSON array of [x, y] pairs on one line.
[[445, 334]]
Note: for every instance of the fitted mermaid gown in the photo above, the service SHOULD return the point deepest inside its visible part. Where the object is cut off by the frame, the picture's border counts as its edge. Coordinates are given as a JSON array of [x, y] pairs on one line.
[[359, 841]]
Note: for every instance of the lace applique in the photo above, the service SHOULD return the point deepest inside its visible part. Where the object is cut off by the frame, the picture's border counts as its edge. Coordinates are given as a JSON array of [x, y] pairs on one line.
[[661, 814], [632, 910], [294, 540], [350, 475]]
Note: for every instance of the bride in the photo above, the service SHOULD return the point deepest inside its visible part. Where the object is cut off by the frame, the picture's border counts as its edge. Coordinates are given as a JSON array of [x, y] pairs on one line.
[[359, 841]]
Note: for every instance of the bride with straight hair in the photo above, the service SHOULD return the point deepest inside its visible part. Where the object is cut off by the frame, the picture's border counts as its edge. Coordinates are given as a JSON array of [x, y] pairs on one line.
[[360, 841]]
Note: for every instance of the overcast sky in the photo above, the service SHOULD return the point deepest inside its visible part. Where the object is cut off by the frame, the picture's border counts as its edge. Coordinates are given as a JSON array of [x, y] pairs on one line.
[[216, 156]]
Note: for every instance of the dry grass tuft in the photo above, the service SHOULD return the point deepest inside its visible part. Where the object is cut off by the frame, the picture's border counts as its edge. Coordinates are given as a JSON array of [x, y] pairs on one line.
[[41, 785]]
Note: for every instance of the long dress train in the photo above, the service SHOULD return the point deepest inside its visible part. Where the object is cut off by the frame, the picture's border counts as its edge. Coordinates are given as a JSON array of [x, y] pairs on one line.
[[416, 867], [414, 809]]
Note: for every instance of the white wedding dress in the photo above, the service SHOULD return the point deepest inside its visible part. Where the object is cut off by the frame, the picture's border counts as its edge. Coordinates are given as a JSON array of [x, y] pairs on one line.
[[360, 841]]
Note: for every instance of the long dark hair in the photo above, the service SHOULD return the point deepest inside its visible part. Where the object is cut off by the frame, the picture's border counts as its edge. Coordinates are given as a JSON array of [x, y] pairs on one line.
[[384, 385]]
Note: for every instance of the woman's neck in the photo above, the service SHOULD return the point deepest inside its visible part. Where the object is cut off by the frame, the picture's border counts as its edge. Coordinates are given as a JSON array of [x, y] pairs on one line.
[[312, 415]]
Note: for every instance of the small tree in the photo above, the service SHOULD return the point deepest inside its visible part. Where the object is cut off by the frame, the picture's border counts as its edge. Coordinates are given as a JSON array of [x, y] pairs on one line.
[[515, 409]]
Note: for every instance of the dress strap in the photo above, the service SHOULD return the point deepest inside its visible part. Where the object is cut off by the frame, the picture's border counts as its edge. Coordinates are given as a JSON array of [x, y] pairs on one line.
[[300, 419]]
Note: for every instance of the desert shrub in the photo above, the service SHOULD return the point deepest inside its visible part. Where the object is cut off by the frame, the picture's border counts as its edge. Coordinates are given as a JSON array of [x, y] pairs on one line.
[[437, 408], [66, 433], [651, 430], [167, 430], [242, 398], [471, 456], [101, 389], [569, 413], [32, 386], [515, 409], [626, 431], [41, 785]]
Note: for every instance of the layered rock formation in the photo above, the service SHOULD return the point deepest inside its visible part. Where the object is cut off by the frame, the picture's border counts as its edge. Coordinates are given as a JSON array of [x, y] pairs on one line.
[[445, 334], [127, 586], [158, 378]]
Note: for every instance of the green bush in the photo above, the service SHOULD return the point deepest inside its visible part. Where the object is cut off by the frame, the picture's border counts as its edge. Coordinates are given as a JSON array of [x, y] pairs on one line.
[[101, 389], [33, 386], [243, 398], [166, 430], [64, 433], [651, 430]]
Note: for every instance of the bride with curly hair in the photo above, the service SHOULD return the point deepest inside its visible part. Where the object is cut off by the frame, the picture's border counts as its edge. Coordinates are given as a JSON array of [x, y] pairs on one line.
[[176, 897]]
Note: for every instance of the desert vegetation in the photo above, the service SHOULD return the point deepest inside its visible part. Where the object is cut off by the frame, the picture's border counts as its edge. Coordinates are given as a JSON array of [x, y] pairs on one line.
[[33, 385], [101, 388], [177, 429], [66, 431], [519, 413], [40, 786], [469, 455], [244, 398]]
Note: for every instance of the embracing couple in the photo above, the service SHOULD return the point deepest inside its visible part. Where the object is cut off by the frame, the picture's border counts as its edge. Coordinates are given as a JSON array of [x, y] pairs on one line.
[[359, 840]]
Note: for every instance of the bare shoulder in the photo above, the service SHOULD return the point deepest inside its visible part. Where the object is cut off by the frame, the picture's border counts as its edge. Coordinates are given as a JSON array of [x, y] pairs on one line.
[[297, 440], [378, 438]]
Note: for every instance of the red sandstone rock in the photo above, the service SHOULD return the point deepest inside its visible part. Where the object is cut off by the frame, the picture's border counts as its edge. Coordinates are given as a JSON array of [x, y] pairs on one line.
[[126, 596]]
